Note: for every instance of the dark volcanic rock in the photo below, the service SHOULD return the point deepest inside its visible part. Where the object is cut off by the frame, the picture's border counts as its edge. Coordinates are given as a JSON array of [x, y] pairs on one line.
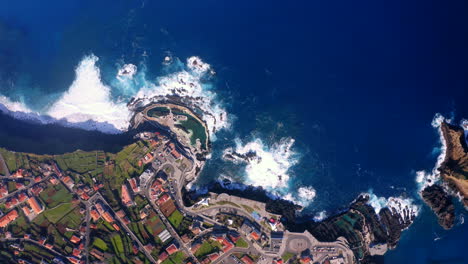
[[441, 203], [361, 227], [454, 169]]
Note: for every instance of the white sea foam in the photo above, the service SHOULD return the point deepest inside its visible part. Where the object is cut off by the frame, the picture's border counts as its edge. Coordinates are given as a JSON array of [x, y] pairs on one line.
[[307, 193], [464, 125], [396, 204], [89, 99], [320, 216], [88, 103], [423, 178], [269, 166], [12, 106], [19, 110], [190, 84], [127, 71]]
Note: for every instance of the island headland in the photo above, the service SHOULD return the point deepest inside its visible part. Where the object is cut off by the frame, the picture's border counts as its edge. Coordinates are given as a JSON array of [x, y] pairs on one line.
[[452, 180]]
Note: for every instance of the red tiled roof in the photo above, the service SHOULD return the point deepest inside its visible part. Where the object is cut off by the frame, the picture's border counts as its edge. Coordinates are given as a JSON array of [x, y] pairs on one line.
[[35, 205], [126, 198], [163, 199], [254, 235], [26, 210], [163, 256], [171, 249], [247, 260], [133, 184], [116, 227], [75, 239], [213, 256], [95, 215], [108, 217], [8, 218], [76, 252]]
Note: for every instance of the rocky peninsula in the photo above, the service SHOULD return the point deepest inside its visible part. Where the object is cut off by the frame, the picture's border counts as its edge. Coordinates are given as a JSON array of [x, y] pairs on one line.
[[441, 203], [453, 176], [454, 169]]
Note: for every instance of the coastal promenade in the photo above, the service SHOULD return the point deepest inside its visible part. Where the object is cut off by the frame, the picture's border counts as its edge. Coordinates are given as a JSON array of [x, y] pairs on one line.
[[295, 243]]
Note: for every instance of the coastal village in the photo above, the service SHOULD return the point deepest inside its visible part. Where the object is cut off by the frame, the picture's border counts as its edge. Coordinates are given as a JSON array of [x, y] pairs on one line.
[[127, 207]]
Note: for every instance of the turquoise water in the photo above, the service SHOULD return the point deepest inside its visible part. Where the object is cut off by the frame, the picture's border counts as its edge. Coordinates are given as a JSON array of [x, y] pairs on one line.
[[355, 84]]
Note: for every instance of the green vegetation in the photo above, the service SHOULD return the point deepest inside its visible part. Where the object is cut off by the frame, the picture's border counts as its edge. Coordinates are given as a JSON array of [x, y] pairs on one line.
[[287, 256], [117, 245], [72, 219], [55, 214], [154, 225], [158, 112], [193, 126], [19, 227], [11, 186], [229, 203], [175, 258], [248, 208], [206, 248], [207, 225], [100, 244], [176, 218], [62, 218], [54, 195], [241, 243], [78, 161], [36, 253]]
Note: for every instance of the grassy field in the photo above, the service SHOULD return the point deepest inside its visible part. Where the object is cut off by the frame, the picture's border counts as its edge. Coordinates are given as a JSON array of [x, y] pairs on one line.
[[176, 218], [55, 214], [54, 195], [118, 246], [72, 219], [287, 256], [158, 111], [100, 244], [78, 161], [176, 258], [206, 248], [241, 243]]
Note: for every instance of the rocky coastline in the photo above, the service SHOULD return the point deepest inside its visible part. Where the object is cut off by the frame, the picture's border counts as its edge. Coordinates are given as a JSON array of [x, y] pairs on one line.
[[368, 233], [441, 203], [453, 176], [454, 169]]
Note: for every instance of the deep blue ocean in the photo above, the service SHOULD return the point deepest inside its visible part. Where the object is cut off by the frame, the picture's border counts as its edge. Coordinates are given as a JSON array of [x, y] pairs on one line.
[[355, 83]]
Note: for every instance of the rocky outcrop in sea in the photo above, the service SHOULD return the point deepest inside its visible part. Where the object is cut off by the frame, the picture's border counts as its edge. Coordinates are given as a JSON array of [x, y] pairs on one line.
[[441, 203]]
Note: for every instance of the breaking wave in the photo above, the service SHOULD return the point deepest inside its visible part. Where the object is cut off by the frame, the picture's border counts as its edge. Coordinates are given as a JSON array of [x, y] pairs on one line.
[[89, 103], [397, 204], [266, 166], [89, 99], [320, 216], [424, 178], [269, 167], [190, 83]]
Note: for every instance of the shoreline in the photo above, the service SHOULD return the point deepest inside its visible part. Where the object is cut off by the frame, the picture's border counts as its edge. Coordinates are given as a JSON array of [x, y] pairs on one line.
[[367, 228]]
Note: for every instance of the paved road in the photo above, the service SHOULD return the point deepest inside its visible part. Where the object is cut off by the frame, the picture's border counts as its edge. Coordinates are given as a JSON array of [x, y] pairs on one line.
[[25, 189], [170, 228], [129, 232], [88, 229], [34, 242]]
